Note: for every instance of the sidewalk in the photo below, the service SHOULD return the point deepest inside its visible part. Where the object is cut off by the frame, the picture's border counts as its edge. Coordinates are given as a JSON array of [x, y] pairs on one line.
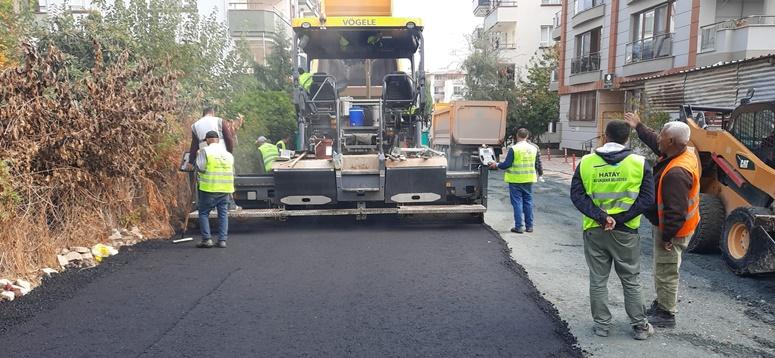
[[721, 314]]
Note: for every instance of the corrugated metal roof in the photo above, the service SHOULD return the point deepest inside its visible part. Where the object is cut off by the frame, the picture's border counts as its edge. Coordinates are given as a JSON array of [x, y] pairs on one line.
[[759, 76], [712, 87], [715, 65], [665, 94]]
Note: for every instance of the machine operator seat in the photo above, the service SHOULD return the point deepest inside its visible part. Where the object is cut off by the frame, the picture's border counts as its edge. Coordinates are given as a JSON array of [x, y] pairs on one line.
[[322, 92], [398, 90]]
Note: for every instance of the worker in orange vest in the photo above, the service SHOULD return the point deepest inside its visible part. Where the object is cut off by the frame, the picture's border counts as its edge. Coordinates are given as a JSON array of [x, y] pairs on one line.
[[676, 214]]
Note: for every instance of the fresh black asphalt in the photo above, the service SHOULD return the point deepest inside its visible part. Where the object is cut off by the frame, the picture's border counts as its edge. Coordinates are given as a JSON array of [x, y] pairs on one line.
[[300, 288]]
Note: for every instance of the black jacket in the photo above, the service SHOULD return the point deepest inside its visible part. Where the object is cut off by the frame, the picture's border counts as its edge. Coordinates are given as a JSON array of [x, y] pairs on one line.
[[642, 204]]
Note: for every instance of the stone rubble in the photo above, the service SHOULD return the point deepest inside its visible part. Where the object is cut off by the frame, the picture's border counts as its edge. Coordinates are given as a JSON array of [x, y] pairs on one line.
[[77, 257]]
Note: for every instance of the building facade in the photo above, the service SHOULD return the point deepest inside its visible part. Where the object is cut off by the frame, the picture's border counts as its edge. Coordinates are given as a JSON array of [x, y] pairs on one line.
[[612, 51], [446, 86], [259, 22], [518, 28]]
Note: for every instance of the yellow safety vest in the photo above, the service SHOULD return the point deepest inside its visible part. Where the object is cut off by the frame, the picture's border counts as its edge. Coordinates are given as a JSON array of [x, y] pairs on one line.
[[523, 168], [612, 187], [269, 153], [305, 80], [218, 176], [280, 145]]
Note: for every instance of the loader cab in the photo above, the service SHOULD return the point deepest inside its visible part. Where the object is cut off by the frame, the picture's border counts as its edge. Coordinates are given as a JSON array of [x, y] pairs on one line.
[[753, 125]]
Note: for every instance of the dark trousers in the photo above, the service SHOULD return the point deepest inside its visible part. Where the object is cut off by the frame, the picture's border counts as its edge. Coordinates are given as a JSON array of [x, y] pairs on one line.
[[522, 200], [206, 203]]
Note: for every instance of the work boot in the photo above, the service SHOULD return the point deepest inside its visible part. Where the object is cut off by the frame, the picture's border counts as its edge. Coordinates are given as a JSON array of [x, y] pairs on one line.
[[517, 231], [205, 244], [600, 331], [221, 244], [662, 318], [652, 308], [642, 332]]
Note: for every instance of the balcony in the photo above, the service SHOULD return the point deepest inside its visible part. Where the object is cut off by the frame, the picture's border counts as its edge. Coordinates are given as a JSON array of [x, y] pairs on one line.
[[587, 10], [502, 17], [551, 2], [587, 63], [650, 48], [585, 69], [481, 7], [252, 23], [736, 39], [653, 54], [557, 26]]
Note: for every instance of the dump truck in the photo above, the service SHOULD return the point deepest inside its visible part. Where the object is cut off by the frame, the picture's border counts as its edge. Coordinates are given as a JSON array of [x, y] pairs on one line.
[[736, 149], [358, 145], [466, 131]]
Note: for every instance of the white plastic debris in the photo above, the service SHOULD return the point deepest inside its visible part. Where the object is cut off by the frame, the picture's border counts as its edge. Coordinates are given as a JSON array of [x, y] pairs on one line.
[[23, 284], [7, 296], [49, 271]]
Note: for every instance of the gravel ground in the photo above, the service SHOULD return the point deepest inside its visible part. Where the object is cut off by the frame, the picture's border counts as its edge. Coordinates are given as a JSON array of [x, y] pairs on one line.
[[299, 288], [720, 314]]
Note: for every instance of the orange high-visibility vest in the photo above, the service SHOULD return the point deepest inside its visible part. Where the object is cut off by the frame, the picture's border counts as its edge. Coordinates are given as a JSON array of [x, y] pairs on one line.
[[687, 161]]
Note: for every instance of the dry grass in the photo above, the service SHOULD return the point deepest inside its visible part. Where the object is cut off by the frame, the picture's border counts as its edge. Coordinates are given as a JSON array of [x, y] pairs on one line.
[[79, 158]]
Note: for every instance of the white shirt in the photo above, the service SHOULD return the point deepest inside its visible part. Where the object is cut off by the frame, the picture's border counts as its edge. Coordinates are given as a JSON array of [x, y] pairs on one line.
[[206, 124]]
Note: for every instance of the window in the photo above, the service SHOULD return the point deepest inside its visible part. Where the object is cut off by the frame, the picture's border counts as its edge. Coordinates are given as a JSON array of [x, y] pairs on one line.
[[587, 52], [457, 91], [651, 33], [546, 35], [583, 106], [584, 5]]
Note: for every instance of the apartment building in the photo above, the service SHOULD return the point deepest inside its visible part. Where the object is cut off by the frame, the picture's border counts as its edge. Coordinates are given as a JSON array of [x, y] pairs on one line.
[[446, 86], [618, 54], [518, 28], [258, 22]]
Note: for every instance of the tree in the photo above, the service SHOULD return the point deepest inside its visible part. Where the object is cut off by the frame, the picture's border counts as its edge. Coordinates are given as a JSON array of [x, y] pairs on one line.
[[486, 76], [536, 105], [277, 74]]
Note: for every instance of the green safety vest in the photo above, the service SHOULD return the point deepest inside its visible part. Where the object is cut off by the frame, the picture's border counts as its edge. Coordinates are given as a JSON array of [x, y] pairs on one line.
[[305, 80], [612, 187], [280, 145], [269, 153], [218, 176], [523, 168]]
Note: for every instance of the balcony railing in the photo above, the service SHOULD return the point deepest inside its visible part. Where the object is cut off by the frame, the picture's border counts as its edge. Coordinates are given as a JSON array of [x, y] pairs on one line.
[[481, 7], [586, 63], [551, 2], [501, 45], [708, 32], [584, 5], [649, 48]]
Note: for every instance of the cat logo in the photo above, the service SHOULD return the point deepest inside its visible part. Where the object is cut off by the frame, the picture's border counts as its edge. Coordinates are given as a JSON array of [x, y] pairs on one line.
[[744, 163]]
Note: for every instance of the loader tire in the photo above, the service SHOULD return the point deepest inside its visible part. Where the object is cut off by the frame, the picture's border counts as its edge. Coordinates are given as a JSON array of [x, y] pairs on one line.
[[706, 237], [741, 241]]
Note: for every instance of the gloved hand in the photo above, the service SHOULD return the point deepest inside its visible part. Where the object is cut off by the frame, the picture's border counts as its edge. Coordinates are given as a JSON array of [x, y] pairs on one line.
[[541, 179]]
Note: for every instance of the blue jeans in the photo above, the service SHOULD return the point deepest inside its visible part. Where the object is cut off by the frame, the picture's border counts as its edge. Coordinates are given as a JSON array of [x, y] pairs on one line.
[[522, 201], [206, 203]]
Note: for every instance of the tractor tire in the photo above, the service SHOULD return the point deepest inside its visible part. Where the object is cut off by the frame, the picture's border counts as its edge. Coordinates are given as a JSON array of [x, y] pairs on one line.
[[706, 237], [741, 241]]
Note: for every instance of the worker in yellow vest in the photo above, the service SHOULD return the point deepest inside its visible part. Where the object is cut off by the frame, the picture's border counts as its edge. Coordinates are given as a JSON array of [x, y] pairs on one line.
[[216, 183], [612, 188], [305, 79], [523, 167], [269, 153], [282, 144]]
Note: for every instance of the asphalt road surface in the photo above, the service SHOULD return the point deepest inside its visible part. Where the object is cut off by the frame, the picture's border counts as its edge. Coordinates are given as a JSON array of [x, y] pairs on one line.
[[302, 288]]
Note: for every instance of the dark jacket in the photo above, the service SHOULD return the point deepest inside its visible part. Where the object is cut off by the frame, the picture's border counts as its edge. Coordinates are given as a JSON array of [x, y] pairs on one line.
[[642, 204], [506, 163], [679, 181]]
